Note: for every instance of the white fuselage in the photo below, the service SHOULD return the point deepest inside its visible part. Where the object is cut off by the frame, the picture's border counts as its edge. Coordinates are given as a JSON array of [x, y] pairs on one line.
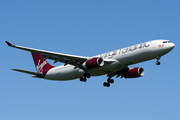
[[121, 58]]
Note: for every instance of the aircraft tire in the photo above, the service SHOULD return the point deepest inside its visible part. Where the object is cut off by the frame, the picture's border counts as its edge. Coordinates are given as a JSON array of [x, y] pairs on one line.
[[112, 81], [108, 84], [84, 79], [158, 63], [87, 75], [105, 84], [81, 79]]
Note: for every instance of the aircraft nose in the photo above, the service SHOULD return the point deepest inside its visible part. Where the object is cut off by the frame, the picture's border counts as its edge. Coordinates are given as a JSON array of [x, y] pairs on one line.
[[173, 45]]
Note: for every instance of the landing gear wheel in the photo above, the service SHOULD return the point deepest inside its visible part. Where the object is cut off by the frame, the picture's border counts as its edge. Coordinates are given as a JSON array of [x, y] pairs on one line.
[[105, 84], [83, 79], [87, 75], [158, 63], [110, 80], [108, 84], [158, 58]]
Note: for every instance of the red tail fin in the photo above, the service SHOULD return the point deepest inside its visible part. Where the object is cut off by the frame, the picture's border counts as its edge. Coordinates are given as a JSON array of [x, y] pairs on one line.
[[42, 66]]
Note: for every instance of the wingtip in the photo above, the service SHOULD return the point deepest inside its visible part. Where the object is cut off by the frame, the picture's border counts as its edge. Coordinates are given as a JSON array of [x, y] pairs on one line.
[[8, 43]]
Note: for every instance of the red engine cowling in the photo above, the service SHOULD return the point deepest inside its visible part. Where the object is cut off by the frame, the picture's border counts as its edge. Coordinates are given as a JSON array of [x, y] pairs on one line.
[[93, 63], [134, 72]]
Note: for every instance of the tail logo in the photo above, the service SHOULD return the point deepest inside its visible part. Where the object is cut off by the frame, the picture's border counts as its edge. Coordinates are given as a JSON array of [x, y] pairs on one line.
[[39, 66]]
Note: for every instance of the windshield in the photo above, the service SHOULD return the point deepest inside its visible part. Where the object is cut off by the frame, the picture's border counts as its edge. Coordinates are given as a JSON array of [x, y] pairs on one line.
[[166, 42]]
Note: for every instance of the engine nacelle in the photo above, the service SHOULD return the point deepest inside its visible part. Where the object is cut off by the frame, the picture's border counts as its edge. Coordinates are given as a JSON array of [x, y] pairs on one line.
[[134, 72], [93, 63]]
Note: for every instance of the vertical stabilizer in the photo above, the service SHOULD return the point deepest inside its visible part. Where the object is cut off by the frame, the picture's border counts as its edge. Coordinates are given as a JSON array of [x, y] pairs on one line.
[[42, 66]]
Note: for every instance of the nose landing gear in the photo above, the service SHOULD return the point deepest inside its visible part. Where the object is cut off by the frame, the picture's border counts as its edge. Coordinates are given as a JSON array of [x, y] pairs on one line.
[[158, 58], [158, 63]]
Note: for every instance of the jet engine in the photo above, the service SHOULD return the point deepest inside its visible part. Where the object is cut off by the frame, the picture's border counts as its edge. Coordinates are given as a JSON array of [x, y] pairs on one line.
[[134, 72], [93, 63]]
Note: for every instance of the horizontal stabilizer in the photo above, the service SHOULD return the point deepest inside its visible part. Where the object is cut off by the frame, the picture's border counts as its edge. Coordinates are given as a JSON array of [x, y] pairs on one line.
[[28, 72]]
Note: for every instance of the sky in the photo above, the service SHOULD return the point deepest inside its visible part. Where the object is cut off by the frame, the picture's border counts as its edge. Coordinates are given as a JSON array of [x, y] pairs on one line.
[[88, 28]]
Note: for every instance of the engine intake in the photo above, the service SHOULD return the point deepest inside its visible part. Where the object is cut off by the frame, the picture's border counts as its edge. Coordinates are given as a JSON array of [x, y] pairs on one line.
[[93, 63], [134, 72]]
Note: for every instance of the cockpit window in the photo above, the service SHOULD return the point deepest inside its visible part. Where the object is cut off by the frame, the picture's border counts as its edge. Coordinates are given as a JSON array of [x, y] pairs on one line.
[[166, 42]]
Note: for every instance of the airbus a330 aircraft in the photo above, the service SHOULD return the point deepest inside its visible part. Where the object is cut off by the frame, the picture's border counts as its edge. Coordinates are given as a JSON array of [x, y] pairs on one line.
[[113, 63]]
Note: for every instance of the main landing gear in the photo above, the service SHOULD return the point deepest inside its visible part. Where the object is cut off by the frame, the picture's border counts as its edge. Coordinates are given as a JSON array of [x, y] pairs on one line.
[[107, 84], [84, 78], [158, 58]]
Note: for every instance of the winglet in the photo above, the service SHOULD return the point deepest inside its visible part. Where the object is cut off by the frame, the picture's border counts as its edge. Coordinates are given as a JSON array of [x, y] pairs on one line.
[[8, 43]]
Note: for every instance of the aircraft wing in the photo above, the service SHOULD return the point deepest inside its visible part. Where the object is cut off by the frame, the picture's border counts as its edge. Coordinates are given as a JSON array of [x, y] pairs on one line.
[[119, 73], [57, 57]]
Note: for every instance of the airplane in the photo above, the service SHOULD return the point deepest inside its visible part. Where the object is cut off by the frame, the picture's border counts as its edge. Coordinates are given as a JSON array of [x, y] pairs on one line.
[[114, 63]]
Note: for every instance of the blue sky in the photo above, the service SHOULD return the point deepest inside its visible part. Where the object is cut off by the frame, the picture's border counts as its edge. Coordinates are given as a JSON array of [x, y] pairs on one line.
[[88, 28]]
